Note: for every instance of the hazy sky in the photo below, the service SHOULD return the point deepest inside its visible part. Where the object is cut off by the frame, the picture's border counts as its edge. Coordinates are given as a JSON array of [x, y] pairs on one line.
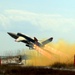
[[39, 18]]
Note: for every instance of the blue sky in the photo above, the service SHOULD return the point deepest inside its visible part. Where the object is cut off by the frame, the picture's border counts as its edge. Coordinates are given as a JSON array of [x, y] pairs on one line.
[[40, 18]]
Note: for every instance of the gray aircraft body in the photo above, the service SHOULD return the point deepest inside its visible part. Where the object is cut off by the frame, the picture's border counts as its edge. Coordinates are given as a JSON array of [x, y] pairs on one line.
[[19, 37]]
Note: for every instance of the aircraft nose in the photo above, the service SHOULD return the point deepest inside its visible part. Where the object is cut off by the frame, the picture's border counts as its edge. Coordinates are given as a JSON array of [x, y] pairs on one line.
[[8, 32], [13, 35]]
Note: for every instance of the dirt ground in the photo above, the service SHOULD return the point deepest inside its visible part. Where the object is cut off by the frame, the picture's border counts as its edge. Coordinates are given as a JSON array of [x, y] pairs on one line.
[[17, 70]]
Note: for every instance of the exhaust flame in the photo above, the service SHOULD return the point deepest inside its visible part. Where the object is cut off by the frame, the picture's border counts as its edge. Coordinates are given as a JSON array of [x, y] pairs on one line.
[[43, 52], [52, 50]]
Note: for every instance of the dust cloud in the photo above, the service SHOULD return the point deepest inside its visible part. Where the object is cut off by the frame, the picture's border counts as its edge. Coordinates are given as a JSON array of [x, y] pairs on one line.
[[61, 51]]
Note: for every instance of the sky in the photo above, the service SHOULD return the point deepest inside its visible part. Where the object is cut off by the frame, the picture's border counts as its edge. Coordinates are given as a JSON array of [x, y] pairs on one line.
[[39, 18]]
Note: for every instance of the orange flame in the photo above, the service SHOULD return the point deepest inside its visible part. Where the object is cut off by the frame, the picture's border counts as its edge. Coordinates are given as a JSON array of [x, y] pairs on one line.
[[52, 50], [43, 52]]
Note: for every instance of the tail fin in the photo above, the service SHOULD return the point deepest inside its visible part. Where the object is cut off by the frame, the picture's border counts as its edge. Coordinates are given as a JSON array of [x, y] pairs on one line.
[[47, 41]]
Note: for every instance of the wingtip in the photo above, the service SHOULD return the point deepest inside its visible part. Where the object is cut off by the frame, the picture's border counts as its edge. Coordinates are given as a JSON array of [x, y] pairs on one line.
[[51, 38]]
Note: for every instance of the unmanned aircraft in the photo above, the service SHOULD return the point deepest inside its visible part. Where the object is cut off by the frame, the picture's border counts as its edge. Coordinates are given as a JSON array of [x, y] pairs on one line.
[[29, 42]]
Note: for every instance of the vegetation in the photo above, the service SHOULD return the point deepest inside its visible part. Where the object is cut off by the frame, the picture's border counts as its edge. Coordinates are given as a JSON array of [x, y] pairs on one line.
[[62, 65]]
